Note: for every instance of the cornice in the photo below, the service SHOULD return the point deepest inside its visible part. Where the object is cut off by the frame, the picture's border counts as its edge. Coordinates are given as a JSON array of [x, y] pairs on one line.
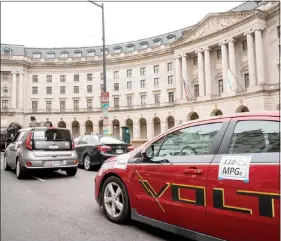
[[272, 11]]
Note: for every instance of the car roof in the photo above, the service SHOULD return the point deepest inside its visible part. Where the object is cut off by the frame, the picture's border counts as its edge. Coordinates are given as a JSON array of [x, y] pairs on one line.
[[42, 128]]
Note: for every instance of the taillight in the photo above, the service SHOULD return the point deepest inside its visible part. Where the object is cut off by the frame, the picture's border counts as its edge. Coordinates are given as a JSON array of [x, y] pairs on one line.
[[104, 148], [130, 148], [72, 145], [28, 142]]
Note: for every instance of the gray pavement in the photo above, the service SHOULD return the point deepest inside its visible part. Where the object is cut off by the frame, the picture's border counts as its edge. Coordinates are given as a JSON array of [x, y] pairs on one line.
[[54, 207]]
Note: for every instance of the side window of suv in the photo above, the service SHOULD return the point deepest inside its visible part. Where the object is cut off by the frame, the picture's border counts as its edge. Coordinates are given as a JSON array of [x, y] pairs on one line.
[[83, 140], [255, 136], [194, 140]]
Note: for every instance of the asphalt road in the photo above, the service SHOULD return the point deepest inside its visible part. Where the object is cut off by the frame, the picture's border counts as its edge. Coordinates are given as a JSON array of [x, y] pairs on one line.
[[56, 207]]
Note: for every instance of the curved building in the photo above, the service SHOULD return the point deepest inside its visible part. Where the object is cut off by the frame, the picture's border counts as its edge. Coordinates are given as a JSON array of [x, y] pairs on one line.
[[226, 63]]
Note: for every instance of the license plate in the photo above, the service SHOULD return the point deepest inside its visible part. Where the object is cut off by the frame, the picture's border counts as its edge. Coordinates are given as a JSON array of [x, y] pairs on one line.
[[53, 147], [119, 151], [52, 163]]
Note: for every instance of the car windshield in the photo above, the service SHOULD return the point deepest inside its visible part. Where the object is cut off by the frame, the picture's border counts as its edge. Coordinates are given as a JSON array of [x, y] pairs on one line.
[[51, 135], [110, 140]]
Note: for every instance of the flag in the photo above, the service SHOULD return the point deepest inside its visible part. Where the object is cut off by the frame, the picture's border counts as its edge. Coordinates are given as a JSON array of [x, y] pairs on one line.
[[185, 89], [230, 79]]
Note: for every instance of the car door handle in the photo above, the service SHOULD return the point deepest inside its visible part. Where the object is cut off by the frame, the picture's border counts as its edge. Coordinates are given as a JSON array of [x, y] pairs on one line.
[[193, 170]]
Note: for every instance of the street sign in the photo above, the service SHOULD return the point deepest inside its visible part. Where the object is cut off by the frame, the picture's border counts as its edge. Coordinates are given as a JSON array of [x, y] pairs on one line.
[[105, 97]]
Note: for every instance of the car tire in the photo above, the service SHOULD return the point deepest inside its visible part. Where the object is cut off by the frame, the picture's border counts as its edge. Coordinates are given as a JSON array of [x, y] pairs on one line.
[[123, 198], [20, 172], [5, 164], [71, 172], [87, 163]]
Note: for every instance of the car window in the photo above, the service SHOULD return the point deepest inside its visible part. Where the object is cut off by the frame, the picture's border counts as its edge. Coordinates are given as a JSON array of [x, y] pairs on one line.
[[194, 140], [21, 136], [83, 140], [110, 140], [16, 137], [51, 135], [255, 137], [93, 140]]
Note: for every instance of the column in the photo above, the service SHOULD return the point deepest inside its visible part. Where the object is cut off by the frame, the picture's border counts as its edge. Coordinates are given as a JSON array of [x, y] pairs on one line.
[[150, 130], [232, 62], [21, 91], [251, 58], [178, 78], [185, 71], [25, 92], [259, 56], [201, 73], [14, 90], [208, 72], [136, 128], [224, 65]]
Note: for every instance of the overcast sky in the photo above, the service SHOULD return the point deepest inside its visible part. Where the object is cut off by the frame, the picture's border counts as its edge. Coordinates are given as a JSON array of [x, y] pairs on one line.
[[67, 24]]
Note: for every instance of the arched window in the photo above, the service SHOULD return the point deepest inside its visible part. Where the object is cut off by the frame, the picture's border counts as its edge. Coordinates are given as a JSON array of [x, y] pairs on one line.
[[36, 55], [7, 52], [77, 54], [64, 55], [130, 48]]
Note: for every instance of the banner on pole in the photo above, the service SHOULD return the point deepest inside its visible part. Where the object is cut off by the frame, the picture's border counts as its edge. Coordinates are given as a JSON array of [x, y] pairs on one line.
[[105, 97]]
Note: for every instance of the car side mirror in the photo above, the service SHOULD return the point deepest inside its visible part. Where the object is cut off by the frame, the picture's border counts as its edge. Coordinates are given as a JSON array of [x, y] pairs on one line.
[[148, 153]]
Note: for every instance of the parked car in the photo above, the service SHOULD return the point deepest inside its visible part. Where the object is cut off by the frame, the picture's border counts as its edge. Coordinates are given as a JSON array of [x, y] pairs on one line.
[[212, 179], [41, 148], [94, 149]]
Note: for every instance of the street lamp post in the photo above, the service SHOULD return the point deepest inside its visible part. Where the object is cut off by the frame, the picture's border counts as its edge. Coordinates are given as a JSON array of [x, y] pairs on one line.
[[105, 104]]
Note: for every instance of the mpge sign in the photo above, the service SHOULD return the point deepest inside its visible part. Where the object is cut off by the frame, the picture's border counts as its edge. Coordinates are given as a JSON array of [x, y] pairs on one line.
[[235, 168]]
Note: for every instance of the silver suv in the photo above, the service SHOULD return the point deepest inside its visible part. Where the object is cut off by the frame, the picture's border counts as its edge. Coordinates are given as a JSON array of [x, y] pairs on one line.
[[43, 148]]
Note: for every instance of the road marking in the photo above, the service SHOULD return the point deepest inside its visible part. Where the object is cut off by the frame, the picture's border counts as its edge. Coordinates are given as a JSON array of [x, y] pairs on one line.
[[39, 179]]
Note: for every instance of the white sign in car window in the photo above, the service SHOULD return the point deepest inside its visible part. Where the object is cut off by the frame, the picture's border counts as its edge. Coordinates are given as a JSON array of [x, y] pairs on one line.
[[235, 168]]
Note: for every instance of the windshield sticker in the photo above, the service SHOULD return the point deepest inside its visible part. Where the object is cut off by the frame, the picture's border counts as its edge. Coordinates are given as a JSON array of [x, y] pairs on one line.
[[122, 161], [235, 168]]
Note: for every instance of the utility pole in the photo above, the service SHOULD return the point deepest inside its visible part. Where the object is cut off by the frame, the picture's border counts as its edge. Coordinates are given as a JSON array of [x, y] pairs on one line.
[[104, 94]]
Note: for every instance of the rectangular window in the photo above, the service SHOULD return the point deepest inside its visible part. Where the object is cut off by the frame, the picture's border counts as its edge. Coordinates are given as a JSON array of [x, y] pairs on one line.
[[34, 106], [143, 84], [170, 66], [50, 55], [5, 76], [195, 60], [49, 78], [220, 86], [171, 97], [76, 77], [143, 99], [89, 77], [116, 86], [5, 104], [156, 82], [35, 90], [246, 79], [116, 75], [255, 136], [170, 79], [89, 104], [196, 90], [129, 85], [62, 78], [157, 98], [244, 45], [62, 105], [35, 78], [62, 89], [101, 76], [142, 71], [89, 88], [156, 69], [49, 105], [129, 73], [76, 105], [218, 53], [76, 89], [116, 102], [129, 101], [36, 55], [49, 90]]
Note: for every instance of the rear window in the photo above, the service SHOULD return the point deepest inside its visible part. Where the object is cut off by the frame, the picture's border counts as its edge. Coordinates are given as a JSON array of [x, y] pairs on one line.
[[110, 140], [52, 135]]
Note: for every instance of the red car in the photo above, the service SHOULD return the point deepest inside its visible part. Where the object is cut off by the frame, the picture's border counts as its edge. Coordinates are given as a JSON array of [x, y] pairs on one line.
[[213, 179]]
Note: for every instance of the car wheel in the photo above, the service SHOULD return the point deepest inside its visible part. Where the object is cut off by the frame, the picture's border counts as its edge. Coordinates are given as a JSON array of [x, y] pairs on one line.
[[87, 162], [115, 200], [6, 166], [19, 170], [71, 172]]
